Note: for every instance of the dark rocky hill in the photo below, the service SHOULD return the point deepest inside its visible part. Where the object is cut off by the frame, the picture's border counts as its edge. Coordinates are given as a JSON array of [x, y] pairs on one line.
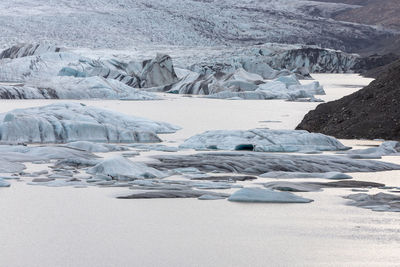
[[373, 112]]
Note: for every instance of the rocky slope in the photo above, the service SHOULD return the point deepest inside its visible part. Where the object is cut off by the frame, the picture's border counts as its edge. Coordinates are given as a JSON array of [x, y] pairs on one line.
[[374, 12], [376, 72], [370, 113], [381, 13]]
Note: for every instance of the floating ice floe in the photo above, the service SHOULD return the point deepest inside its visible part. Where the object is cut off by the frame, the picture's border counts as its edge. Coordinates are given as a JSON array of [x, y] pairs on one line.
[[378, 202], [69, 122], [154, 147], [7, 166], [41, 153], [59, 183], [317, 186], [259, 163], [294, 175], [266, 196], [263, 140], [292, 187], [120, 168], [174, 194], [226, 178], [12, 156], [388, 148], [4, 183], [96, 147]]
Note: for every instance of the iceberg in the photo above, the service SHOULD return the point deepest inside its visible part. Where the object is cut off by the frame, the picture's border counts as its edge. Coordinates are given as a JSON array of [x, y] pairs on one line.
[[158, 72], [263, 140], [243, 85], [69, 122], [46, 64], [59, 87]]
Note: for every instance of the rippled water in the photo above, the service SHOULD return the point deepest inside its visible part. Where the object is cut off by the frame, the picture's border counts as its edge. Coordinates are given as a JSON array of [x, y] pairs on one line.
[[42, 226]]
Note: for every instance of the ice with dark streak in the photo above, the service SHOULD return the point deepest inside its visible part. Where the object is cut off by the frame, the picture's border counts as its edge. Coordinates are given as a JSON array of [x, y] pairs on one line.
[[259, 163]]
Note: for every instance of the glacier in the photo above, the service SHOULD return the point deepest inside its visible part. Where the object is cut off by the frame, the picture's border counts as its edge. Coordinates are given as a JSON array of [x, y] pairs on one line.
[[127, 24]]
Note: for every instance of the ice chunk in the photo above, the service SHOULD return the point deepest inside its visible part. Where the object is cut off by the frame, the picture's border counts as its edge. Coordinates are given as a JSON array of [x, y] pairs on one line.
[[158, 72], [4, 183], [120, 168], [266, 196]]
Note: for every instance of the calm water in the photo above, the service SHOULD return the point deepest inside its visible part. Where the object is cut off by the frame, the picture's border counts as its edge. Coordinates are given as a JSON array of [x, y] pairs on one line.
[[41, 226]]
